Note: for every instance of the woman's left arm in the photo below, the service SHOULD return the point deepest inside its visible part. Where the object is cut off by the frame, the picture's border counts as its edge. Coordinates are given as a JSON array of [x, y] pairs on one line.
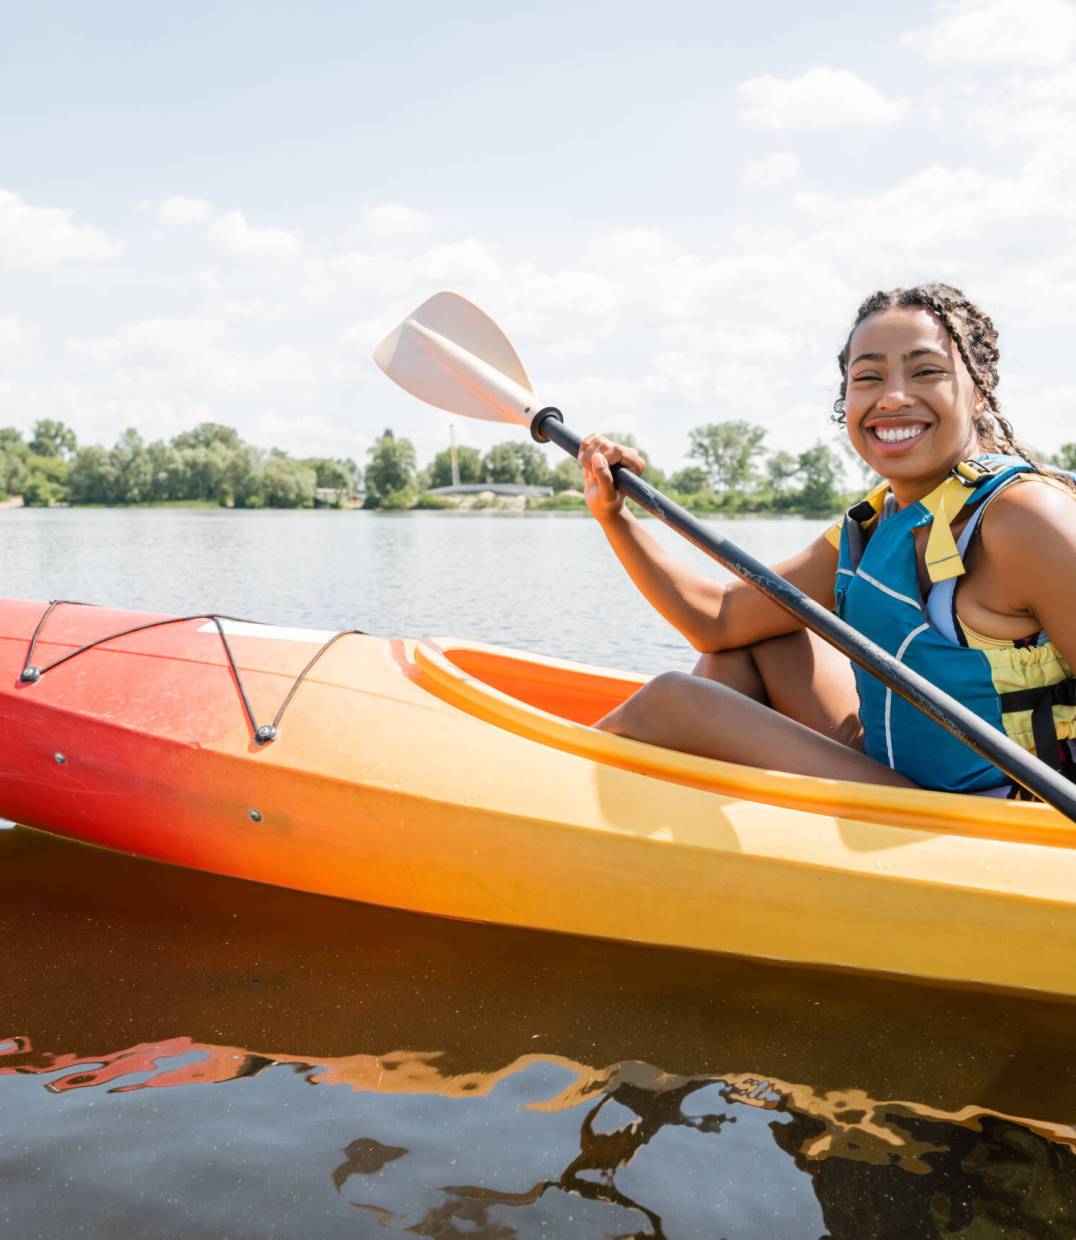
[[1031, 542]]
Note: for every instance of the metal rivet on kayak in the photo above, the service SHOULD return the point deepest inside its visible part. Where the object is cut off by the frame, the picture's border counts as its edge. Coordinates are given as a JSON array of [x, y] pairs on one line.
[[61, 759], [30, 675], [255, 815], [265, 734]]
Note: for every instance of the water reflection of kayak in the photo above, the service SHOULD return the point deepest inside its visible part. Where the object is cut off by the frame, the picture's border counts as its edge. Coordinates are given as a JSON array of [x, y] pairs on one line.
[[463, 780], [126, 979], [122, 952]]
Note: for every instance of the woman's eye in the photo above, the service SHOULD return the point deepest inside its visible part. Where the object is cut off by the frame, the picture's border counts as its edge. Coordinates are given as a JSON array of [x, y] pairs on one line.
[[930, 370], [864, 378]]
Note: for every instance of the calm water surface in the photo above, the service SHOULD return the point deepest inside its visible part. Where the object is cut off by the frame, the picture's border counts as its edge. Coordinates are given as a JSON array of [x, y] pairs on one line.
[[185, 1054]]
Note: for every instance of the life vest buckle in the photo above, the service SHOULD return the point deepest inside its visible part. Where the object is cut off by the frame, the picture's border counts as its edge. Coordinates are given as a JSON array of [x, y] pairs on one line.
[[973, 473]]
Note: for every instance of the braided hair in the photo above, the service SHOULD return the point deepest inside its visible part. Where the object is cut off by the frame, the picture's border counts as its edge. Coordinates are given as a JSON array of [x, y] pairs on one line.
[[973, 332]]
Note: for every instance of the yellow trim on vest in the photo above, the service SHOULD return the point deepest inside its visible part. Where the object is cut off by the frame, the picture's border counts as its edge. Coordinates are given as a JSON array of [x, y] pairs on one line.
[[943, 560], [875, 497], [1013, 668]]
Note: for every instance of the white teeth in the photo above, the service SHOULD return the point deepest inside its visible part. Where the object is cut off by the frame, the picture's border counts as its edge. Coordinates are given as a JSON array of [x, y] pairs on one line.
[[896, 433]]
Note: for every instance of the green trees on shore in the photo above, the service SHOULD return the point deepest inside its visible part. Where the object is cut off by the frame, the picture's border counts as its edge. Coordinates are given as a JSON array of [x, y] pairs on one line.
[[729, 470], [209, 464]]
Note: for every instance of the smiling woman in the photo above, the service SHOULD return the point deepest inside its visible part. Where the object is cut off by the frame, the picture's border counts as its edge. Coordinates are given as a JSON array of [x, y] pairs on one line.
[[943, 328], [948, 564]]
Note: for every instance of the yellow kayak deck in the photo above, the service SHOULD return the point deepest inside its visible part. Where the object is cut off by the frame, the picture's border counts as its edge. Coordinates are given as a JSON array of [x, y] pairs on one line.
[[464, 780], [712, 855]]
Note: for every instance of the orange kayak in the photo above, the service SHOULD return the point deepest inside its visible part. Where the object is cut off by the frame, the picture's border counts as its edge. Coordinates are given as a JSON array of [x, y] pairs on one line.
[[464, 780]]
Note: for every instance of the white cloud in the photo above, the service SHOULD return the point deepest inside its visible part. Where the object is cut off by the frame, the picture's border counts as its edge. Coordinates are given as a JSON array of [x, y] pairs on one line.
[[735, 339], [365, 334], [1041, 413], [1036, 115], [1025, 33], [12, 337], [617, 403], [180, 212], [932, 211], [47, 236], [782, 286], [467, 266], [258, 309], [232, 234], [819, 98], [307, 434], [778, 168], [553, 305], [1056, 89], [630, 246], [392, 222], [737, 366], [248, 374], [188, 355], [96, 416], [1038, 297], [154, 341]]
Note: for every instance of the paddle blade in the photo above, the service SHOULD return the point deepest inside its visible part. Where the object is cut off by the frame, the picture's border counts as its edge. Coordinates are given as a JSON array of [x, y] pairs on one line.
[[452, 355]]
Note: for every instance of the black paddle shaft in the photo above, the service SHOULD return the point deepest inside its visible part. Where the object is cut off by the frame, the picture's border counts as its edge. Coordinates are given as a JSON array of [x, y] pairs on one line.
[[1020, 765]]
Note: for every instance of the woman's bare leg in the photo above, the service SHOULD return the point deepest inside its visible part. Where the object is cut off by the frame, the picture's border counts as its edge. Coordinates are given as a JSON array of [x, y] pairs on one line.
[[786, 704], [700, 716], [799, 675]]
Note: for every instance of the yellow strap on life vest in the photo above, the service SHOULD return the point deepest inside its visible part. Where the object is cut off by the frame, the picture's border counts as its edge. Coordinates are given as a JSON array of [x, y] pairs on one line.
[[943, 560], [876, 498]]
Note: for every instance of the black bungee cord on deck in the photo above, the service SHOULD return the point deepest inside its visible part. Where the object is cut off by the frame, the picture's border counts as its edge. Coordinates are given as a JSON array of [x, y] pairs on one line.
[[263, 733]]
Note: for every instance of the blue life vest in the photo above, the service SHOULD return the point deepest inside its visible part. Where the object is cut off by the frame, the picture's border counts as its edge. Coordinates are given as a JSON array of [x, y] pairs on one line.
[[1025, 689]]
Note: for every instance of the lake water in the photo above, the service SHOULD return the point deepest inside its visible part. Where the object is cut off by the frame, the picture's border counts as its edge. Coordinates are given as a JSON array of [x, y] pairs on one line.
[[186, 1054], [541, 582]]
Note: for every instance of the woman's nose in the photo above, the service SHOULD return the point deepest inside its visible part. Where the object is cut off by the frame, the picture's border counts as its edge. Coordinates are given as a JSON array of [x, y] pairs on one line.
[[893, 399]]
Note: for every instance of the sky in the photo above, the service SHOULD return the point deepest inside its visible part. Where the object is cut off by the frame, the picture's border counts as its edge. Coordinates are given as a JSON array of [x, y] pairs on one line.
[[216, 211]]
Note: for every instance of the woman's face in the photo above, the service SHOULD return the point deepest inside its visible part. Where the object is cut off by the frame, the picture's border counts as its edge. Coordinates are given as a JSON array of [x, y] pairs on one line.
[[909, 399]]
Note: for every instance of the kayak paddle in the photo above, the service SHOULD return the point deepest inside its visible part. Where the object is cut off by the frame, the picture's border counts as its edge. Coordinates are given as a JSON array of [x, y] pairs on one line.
[[451, 354]]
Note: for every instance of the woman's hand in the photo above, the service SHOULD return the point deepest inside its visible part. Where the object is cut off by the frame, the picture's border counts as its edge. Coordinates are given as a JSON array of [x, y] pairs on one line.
[[598, 455]]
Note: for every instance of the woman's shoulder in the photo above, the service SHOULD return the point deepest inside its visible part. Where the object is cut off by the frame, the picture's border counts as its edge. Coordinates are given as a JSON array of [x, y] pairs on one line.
[[1032, 519]]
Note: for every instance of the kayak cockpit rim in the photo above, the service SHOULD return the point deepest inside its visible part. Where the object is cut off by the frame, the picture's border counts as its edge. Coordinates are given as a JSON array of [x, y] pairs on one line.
[[525, 694]]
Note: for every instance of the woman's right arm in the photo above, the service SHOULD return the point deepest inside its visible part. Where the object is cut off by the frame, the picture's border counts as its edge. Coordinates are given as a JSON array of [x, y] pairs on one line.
[[710, 615]]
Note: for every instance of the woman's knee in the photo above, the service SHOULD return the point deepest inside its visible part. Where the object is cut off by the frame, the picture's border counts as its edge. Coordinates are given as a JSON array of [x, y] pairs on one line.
[[637, 716], [663, 692], [734, 668]]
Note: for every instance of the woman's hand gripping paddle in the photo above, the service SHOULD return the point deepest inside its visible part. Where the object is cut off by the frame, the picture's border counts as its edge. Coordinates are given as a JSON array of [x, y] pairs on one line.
[[452, 355]]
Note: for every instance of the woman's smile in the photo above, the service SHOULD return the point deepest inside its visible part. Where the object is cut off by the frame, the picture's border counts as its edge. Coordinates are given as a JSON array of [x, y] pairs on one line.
[[895, 436]]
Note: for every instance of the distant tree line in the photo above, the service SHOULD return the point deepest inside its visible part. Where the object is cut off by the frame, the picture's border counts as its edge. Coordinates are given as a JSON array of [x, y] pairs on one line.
[[209, 464], [729, 470]]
